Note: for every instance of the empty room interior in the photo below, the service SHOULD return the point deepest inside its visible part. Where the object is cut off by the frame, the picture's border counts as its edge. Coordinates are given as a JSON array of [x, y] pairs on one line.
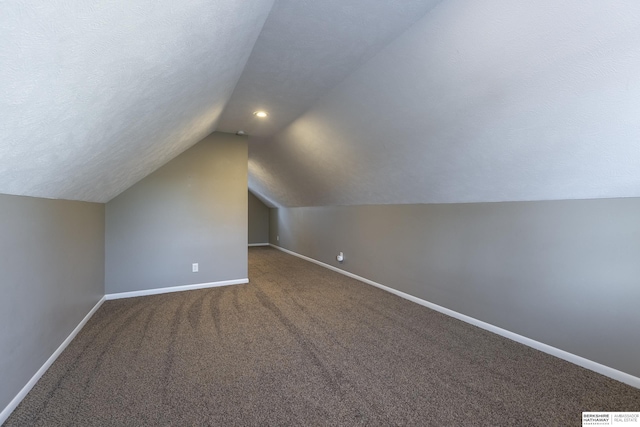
[[354, 212]]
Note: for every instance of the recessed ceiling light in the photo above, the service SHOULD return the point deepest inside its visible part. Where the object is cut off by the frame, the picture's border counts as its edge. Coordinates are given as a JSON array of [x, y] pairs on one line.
[[261, 114]]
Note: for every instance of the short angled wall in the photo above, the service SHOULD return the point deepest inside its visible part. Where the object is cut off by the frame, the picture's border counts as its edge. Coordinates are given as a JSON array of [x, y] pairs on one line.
[[32, 382], [580, 361], [6, 412], [52, 264], [564, 273], [13, 404]]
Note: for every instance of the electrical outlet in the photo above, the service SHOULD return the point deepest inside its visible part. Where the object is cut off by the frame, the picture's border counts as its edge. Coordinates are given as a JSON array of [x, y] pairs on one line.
[[194, 267], [278, 238]]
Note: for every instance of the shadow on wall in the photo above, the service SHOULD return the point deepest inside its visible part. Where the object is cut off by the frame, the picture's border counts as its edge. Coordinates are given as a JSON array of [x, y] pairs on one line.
[[563, 273], [258, 221]]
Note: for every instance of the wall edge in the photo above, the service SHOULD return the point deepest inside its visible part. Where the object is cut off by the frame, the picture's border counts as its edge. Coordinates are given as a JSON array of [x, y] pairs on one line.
[[545, 348], [6, 412]]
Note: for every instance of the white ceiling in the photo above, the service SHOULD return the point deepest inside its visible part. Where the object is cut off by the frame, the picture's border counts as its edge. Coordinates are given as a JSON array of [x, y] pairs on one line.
[[305, 49], [95, 96], [370, 101], [477, 102]]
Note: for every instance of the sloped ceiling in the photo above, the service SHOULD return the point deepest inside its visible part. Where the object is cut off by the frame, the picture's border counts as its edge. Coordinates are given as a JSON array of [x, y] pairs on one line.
[[96, 95], [370, 101], [478, 101], [305, 49]]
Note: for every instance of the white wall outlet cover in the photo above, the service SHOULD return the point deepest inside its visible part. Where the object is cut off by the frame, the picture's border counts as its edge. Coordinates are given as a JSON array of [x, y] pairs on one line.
[[194, 267]]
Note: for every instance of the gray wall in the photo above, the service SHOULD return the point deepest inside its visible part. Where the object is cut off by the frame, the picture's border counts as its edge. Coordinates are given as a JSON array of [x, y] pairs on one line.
[[258, 220], [273, 226], [193, 209], [51, 275], [565, 273]]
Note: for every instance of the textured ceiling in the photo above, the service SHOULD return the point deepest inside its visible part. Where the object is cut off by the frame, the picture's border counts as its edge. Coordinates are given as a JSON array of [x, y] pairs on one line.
[[307, 48], [478, 101], [370, 101], [95, 96]]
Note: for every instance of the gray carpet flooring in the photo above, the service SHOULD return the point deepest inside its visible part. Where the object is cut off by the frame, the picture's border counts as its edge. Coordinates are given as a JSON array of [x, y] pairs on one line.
[[301, 345]]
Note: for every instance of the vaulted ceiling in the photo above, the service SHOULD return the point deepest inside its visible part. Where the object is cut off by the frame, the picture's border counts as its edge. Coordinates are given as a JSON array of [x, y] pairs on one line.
[[369, 101]]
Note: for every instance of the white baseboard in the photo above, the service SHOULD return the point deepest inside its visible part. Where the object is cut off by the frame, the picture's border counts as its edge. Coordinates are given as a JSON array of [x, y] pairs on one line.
[[569, 357], [27, 388], [174, 289], [258, 244]]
